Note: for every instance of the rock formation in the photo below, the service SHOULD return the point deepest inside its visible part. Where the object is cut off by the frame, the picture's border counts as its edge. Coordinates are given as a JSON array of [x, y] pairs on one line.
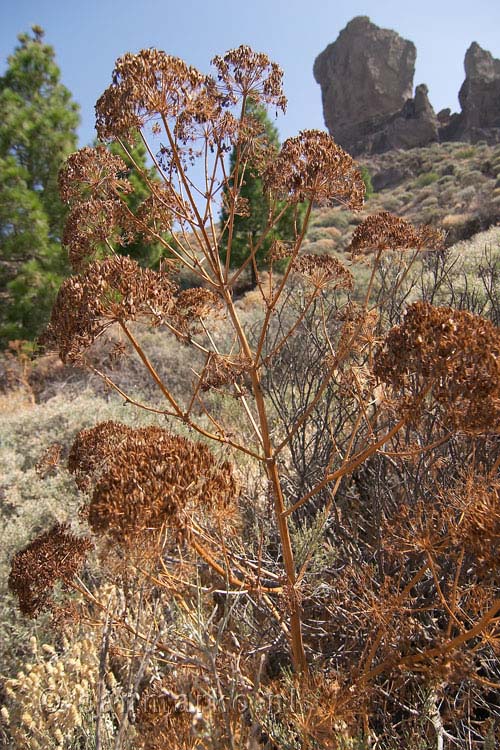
[[366, 79], [479, 95]]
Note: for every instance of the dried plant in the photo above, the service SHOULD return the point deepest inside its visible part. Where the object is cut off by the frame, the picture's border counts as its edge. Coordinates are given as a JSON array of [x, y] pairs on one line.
[[455, 354], [55, 555], [302, 578]]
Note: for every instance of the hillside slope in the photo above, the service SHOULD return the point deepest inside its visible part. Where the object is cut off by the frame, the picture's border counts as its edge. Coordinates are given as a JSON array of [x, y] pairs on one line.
[[455, 186]]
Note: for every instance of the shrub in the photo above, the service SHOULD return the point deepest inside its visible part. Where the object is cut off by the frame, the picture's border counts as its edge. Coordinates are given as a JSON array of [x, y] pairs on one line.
[[324, 547], [465, 153], [474, 177], [331, 218], [365, 174], [428, 178]]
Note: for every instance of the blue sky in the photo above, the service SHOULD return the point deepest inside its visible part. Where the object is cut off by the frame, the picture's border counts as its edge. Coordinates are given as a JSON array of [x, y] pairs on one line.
[[88, 36]]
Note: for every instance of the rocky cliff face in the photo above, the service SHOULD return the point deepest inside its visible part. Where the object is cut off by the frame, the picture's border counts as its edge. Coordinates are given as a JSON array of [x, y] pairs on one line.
[[365, 76], [366, 79], [479, 95]]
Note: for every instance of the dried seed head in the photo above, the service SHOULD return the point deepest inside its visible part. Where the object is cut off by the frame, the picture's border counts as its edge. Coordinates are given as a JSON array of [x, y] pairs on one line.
[[49, 461], [156, 212], [311, 167], [193, 306], [323, 270], [144, 478], [55, 555], [245, 73], [204, 116], [88, 226], [241, 206], [475, 523], [92, 182], [223, 370], [384, 231], [463, 516], [91, 449], [455, 351], [93, 173], [358, 328], [116, 289], [145, 85], [279, 251], [256, 147]]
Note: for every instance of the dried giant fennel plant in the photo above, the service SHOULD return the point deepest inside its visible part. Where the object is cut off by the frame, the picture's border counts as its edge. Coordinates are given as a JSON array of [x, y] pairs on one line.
[[410, 602]]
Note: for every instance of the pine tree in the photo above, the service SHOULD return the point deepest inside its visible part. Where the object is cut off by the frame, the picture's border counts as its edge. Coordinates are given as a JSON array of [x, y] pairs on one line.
[[248, 229], [145, 252], [38, 121]]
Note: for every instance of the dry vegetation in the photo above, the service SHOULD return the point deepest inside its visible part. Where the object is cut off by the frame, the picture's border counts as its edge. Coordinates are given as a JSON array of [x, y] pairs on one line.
[[455, 186], [270, 522]]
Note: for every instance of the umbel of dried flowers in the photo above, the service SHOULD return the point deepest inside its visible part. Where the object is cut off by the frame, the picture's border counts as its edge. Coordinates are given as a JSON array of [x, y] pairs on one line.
[[92, 183], [455, 353], [323, 270], [152, 85], [243, 72], [114, 290], [143, 478], [145, 85], [55, 555], [384, 231], [92, 173], [312, 167]]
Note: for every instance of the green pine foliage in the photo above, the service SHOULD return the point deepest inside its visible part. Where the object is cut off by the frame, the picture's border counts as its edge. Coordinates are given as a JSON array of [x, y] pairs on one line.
[[38, 121], [140, 175], [248, 229]]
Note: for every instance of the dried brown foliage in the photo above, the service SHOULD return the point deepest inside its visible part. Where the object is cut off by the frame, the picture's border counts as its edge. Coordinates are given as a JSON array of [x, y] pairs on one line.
[[224, 370], [92, 173], [111, 291], [383, 598], [244, 72], [455, 353], [88, 225], [384, 231], [324, 270], [145, 86], [312, 167], [166, 717], [56, 555], [193, 306], [143, 479], [49, 461]]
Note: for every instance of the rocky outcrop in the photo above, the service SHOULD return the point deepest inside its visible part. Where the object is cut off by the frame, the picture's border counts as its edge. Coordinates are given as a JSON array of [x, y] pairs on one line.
[[479, 96], [414, 126], [365, 76], [366, 79]]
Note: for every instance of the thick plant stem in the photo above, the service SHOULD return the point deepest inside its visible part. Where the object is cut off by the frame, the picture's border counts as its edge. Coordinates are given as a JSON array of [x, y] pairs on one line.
[[297, 644], [298, 652]]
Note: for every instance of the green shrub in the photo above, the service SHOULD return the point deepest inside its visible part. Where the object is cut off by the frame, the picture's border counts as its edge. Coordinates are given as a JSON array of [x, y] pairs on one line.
[[428, 178], [332, 218], [465, 153], [365, 174], [474, 177]]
